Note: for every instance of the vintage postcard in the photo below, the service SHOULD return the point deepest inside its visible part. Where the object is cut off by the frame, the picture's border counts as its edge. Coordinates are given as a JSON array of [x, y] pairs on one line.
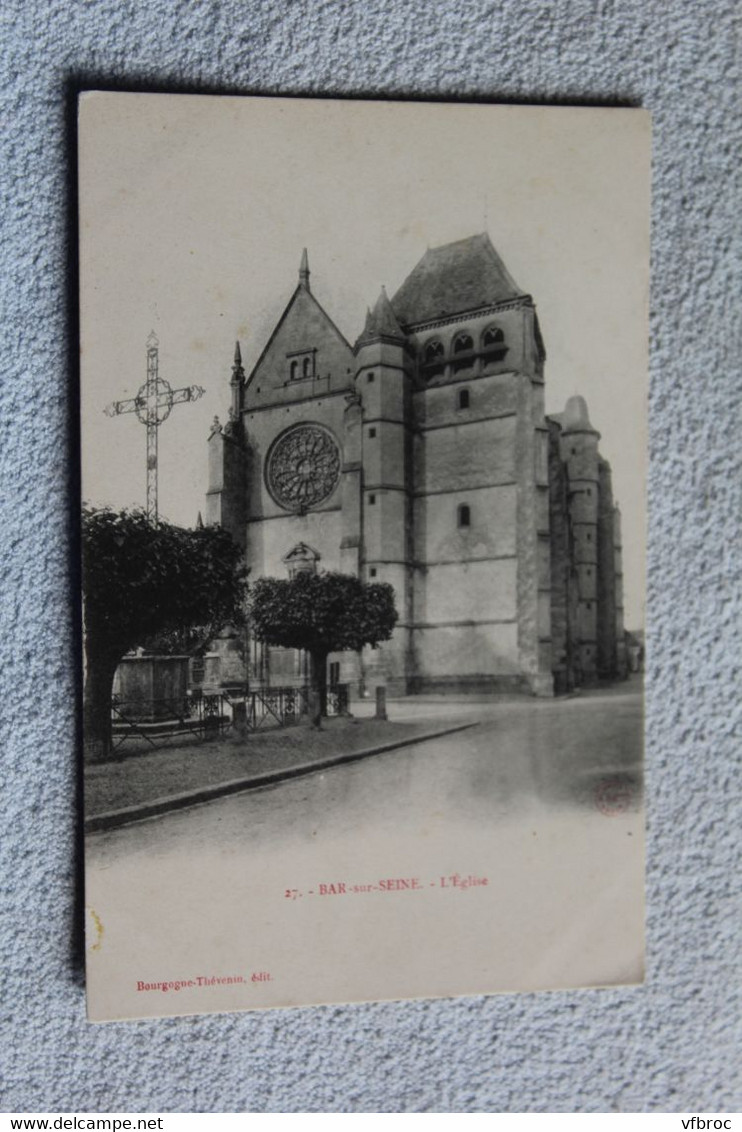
[[363, 392]]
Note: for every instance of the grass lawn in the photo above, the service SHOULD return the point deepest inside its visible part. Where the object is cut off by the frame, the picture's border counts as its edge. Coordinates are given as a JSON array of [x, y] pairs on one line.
[[144, 776]]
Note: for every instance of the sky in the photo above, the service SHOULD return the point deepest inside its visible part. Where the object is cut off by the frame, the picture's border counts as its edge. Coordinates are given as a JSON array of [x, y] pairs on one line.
[[194, 211]]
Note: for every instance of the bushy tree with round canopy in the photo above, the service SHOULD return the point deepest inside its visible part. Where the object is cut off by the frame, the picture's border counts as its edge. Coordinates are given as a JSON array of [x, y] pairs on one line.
[[142, 579], [322, 613]]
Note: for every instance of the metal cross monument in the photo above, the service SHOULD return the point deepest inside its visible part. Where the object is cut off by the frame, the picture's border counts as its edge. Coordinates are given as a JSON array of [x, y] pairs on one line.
[[153, 405]]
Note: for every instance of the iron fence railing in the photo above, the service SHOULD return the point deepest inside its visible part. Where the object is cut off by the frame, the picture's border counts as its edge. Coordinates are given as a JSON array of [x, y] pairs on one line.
[[153, 721], [266, 707], [208, 714]]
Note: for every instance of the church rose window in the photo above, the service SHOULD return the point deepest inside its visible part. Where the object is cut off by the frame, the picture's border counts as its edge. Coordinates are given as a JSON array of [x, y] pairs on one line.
[[303, 467]]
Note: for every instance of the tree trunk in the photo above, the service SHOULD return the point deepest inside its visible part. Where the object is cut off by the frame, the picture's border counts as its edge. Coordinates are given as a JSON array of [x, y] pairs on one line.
[[318, 707], [97, 740]]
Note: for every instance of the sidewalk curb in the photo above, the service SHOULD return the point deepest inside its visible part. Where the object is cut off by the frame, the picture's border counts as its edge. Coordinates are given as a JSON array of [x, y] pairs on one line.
[[113, 819]]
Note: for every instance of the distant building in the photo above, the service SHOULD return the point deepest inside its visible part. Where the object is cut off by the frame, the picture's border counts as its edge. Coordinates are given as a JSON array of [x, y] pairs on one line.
[[421, 456]]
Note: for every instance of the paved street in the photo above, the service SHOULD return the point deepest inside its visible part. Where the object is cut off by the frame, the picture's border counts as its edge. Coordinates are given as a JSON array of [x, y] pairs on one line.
[[542, 798]]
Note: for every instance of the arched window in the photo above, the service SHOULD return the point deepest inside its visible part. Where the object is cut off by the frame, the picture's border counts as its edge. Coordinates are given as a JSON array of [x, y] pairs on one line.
[[463, 352], [464, 515], [463, 398], [493, 336], [462, 342], [294, 368], [493, 345], [305, 367], [433, 365]]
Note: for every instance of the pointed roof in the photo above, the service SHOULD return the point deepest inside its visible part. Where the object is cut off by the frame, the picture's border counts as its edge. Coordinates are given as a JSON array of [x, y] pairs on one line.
[[575, 417], [238, 373], [304, 271], [462, 276], [381, 322]]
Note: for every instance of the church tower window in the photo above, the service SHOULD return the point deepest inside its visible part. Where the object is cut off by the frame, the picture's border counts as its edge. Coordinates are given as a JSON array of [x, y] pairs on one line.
[[493, 345], [305, 367], [433, 359], [463, 352], [294, 369], [464, 515], [463, 398]]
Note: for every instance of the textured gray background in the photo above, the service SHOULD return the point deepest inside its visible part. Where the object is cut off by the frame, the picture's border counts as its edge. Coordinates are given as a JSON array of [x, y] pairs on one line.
[[667, 1046]]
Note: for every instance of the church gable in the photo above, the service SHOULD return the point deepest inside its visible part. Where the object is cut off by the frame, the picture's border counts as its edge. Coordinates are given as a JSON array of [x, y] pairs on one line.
[[306, 356]]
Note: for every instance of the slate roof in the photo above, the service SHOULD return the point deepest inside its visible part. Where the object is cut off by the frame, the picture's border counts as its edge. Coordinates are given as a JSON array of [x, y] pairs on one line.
[[461, 276], [381, 322]]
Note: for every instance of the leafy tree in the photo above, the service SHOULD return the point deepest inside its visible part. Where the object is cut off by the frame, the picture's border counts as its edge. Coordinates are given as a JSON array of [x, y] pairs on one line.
[[321, 613], [140, 580]]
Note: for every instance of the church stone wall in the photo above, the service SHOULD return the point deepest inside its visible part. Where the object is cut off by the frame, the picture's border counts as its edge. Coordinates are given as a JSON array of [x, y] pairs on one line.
[[384, 458], [469, 591], [605, 590], [304, 333], [473, 657], [225, 500], [492, 533], [264, 426], [493, 396], [462, 458], [494, 526], [268, 542]]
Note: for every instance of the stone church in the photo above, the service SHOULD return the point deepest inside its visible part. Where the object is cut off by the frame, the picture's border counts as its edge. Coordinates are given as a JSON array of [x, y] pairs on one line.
[[421, 456]]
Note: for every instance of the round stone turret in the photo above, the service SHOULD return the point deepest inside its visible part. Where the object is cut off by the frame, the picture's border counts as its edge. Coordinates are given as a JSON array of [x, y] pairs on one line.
[[576, 418], [579, 444]]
